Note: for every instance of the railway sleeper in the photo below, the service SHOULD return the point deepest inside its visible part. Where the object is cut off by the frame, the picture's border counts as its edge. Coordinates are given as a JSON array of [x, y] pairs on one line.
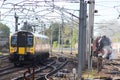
[[61, 59]]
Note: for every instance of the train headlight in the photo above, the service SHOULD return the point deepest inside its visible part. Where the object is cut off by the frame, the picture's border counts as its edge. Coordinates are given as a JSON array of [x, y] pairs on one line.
[[12, 50], [31, 50]]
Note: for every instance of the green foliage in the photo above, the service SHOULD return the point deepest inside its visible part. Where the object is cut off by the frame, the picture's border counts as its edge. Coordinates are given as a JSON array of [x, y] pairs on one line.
[[67, 30], [48, 32], [66, 46], [54, 29], [66, 33], [55, 43], [116, 37], [4, 35], [75, 37], [4, 30]]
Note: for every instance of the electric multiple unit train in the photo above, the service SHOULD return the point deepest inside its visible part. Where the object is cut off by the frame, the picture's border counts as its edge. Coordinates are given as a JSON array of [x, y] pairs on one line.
[[26, 46]]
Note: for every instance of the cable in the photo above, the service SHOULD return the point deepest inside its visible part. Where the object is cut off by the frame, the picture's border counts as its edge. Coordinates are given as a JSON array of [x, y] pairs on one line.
[[112, 1], [2, 3], [104, 6], [17, 8], [8, 12], [61, 9]]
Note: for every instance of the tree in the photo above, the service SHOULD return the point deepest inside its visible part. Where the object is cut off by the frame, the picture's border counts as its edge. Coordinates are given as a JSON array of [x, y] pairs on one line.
[[75, 37], [4, 30], [66, 33], [55, 31], [4, 35]]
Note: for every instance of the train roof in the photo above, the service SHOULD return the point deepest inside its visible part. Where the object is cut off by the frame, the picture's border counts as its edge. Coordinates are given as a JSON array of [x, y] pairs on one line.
[[39, 35], [35, 34]]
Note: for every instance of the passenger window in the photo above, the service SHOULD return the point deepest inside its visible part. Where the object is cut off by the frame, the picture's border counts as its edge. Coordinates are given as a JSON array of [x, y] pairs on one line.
[[14, 41], [30, 41]]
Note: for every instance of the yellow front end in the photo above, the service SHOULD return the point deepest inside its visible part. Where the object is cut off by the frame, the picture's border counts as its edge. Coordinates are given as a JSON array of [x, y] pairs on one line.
[[21, 50], [12, 49]]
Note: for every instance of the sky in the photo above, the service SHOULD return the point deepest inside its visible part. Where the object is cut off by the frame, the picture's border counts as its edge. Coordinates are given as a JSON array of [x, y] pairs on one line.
[[44, 11], [107, 10]]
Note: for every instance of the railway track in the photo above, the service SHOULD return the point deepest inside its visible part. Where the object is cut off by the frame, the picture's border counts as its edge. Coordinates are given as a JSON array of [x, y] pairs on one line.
[[6, 68], [4, 62], [4, 58], [45, 71], [13, 73], [56, 68], [10, 70], [111, 69]]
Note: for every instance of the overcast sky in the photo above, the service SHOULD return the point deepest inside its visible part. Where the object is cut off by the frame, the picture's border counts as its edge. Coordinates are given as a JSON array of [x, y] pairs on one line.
[[107, 10]]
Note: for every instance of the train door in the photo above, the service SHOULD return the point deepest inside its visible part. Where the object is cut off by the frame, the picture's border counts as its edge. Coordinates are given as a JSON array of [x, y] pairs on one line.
[[21, 42]]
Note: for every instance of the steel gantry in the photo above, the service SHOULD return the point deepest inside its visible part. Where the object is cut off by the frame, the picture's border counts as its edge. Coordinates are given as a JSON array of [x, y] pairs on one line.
[[85, 36], [29, 8]]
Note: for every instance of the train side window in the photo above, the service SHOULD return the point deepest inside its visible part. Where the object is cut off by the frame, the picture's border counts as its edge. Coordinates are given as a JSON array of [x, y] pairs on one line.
[[14, 41], [30, 41]]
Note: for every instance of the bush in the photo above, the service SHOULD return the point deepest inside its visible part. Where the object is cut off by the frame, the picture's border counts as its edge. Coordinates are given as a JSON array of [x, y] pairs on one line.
[[55, 43], [66, 46]]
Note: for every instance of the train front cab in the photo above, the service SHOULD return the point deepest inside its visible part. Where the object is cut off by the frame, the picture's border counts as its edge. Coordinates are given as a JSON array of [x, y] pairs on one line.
[[21, 47]]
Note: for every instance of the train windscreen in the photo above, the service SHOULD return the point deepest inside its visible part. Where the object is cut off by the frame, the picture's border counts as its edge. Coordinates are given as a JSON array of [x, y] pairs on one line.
[[14, 41], [22, 39], [30, 40]]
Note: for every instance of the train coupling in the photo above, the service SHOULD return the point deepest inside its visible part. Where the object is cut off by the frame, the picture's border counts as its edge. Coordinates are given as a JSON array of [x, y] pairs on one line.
[[21, 58]]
